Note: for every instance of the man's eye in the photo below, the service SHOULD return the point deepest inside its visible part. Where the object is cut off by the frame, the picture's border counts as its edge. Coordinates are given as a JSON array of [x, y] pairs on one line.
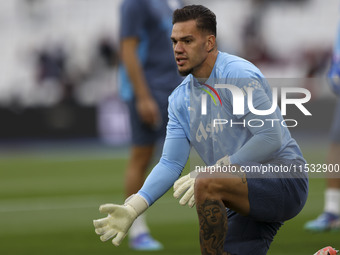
[[187, 41]]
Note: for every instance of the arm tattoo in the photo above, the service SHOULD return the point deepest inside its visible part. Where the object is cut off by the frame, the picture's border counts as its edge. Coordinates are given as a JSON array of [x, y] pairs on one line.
[[213, 227]]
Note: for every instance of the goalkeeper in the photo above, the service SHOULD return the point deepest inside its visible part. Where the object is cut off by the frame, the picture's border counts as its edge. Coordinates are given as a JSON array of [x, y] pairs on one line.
[[239, 213]]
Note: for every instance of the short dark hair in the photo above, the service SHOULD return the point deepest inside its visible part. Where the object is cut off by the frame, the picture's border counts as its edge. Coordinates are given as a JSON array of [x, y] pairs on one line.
[[205, 18]]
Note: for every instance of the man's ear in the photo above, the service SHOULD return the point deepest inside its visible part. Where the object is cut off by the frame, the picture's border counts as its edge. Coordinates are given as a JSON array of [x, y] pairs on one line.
[[211, 43]]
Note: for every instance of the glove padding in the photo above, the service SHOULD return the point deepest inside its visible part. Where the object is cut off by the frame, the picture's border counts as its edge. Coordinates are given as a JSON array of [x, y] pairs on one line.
[[119, 219], [334, 76], [185, 185]]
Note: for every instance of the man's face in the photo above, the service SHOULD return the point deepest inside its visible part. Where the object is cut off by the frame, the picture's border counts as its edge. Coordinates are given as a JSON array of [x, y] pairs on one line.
[[190, 47]]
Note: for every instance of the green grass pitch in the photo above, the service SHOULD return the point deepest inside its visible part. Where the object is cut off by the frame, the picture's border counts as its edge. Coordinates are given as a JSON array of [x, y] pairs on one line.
[[49, 199]]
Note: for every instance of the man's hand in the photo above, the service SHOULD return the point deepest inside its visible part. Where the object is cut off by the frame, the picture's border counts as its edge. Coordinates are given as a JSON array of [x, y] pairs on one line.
[[119, 219], [116, 224], [334, 75], [185, 185], [148, 111]]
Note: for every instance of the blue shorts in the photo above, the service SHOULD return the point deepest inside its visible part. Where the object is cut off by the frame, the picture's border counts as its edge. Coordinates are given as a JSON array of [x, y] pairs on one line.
[[142, 134], [335, 130], [272, 201]]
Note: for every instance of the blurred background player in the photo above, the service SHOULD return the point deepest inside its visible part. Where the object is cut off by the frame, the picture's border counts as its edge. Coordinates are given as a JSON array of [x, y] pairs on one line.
[[330, 218], [148, 75]]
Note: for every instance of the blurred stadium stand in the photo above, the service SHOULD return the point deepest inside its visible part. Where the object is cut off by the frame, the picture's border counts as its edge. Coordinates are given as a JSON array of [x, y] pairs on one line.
[[59, 60]]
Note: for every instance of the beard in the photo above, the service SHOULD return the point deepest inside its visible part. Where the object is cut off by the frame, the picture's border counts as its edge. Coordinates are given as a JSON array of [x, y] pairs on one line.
[[185, 72]]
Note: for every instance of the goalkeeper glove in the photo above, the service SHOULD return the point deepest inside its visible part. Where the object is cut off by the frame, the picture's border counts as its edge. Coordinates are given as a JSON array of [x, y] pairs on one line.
[[119, 219], [186, 184], [334, 75]]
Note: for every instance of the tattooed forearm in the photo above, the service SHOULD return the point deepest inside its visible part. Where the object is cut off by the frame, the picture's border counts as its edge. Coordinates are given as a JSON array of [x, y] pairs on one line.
[[213, 227]]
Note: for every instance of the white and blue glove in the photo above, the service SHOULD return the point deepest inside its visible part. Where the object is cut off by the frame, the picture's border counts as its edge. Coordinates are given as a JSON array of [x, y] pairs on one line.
[[334, 75], [119, 219], [186, 185]]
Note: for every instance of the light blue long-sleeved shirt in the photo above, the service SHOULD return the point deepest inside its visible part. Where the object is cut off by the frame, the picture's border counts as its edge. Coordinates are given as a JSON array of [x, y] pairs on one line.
[[244, 136]]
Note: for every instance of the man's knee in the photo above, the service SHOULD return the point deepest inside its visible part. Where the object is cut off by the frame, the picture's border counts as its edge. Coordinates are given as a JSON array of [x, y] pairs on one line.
[[206, 188], [232, 191]]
